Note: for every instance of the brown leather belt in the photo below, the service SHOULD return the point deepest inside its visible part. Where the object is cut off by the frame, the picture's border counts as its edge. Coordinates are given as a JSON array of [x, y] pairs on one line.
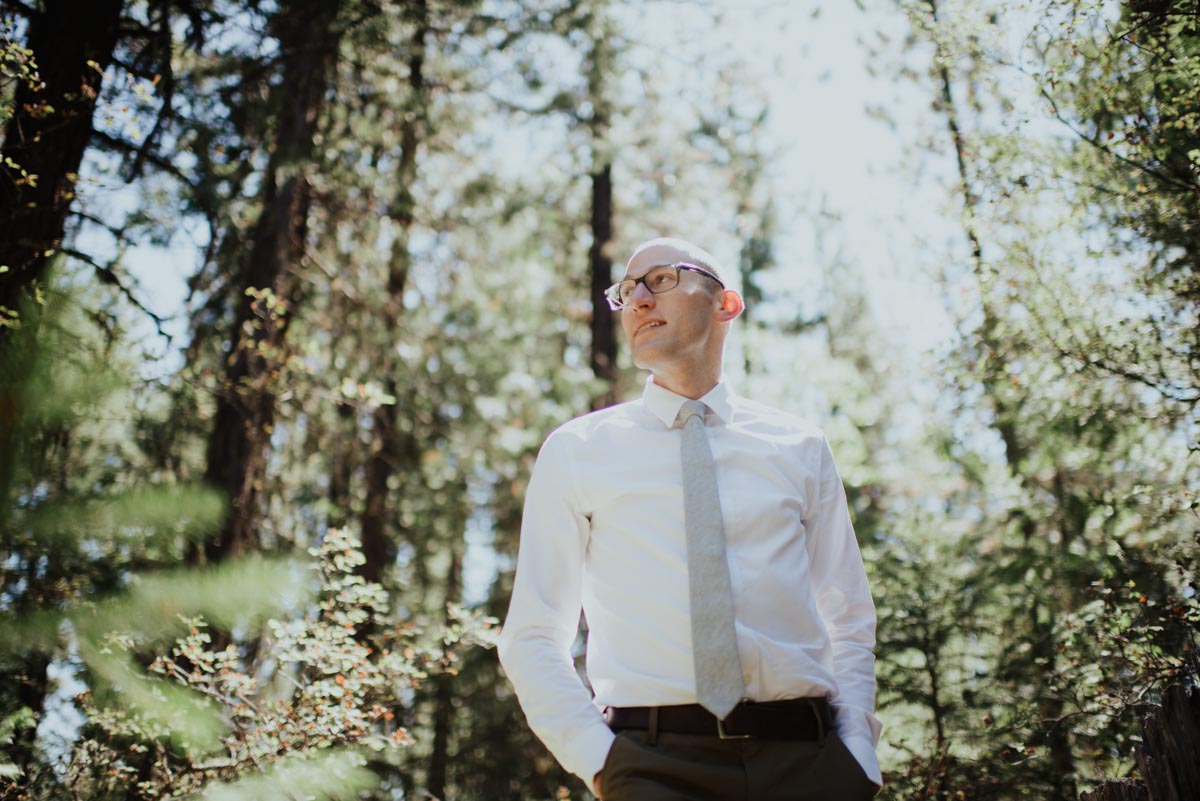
[[792, 719]]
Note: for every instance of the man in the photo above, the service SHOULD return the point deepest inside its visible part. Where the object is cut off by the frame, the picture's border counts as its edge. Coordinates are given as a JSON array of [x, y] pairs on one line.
[[710, 547]]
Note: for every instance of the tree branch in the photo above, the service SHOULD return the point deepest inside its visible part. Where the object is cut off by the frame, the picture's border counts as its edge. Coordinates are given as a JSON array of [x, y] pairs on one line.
[[1096, 143], [107, 275], [117, 233], [128, 148], [28, 12]]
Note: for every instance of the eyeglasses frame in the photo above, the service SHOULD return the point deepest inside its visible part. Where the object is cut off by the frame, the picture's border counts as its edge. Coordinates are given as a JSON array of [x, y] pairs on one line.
[[678, 265]]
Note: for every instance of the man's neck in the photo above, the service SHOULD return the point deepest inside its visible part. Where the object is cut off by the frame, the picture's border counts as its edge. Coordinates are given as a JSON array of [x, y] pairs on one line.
[[693, 386]]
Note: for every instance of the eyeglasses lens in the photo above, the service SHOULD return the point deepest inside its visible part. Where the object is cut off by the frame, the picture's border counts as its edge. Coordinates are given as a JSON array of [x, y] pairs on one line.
[[659, 279]]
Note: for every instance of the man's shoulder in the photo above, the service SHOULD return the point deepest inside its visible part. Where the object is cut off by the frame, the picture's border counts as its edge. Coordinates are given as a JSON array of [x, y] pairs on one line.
[[597, 423]]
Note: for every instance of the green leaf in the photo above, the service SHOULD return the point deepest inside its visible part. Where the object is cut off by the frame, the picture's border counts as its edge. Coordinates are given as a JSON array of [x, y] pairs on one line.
[[167, 511], [333, 775], [23, 718]]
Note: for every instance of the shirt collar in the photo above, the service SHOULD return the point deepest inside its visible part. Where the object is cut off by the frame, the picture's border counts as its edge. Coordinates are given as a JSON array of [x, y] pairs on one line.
[[665, 404]]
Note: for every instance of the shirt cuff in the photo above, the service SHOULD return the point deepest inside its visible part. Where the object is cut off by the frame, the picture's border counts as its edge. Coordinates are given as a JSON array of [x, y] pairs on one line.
[[859, 731], [589, 752], [863, 750]]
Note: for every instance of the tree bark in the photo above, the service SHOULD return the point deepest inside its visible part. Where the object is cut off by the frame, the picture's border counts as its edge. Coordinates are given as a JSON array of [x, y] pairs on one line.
[[1170, 744], [933, 667], [341, 469], [245, 412], [604, 335], [1118, 790], [72, 43], [393, 450], [1167, 756], [443, 710]]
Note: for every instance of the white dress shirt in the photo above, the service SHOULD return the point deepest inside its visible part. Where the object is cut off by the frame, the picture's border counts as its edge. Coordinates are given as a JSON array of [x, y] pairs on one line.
[[603, 531]]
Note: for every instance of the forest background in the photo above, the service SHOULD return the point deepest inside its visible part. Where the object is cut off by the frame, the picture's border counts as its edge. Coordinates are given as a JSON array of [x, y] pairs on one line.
[[254, 542]]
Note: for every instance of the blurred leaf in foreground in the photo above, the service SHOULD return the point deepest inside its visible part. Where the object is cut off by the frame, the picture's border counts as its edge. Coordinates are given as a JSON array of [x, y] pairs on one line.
[[334, 775]]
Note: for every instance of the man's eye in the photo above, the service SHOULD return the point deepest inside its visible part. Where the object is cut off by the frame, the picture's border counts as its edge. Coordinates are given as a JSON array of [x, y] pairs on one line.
[[661, 279]]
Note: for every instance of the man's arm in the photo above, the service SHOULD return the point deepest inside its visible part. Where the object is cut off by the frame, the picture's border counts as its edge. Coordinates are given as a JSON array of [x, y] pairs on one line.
[[844, 600], [543, 619]]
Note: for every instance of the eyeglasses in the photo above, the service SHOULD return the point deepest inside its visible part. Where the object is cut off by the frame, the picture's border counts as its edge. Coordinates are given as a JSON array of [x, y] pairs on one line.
[[657, 279]]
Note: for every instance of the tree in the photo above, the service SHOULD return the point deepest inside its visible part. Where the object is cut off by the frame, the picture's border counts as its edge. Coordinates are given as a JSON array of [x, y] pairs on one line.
[[392, 450], [89, 534], [270, 290], [1053, 364], [69, 46], [601, 70], [1124, 89]]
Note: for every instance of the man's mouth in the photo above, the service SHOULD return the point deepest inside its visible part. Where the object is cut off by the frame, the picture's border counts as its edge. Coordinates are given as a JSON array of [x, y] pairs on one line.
[[649, 324]]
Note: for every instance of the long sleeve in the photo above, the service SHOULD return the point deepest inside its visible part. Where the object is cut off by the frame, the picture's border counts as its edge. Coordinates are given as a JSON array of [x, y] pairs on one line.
[[844, 600], [543, 618]]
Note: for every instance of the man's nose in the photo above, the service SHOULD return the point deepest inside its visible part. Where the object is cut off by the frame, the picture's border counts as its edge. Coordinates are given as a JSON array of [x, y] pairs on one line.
[[641, 296]]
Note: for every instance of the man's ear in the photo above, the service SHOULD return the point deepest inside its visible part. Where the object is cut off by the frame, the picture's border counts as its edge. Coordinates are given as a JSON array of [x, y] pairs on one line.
[[730, 306]]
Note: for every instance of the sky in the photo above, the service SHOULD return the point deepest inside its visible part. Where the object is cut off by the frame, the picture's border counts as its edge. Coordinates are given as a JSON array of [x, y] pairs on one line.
[[823, 84]]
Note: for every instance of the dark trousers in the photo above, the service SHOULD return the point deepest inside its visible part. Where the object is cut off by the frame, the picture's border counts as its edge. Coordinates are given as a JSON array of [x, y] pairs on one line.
[[689, 767]]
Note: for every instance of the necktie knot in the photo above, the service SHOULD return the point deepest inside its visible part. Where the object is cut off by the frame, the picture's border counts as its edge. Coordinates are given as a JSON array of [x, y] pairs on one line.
[[690, 409]]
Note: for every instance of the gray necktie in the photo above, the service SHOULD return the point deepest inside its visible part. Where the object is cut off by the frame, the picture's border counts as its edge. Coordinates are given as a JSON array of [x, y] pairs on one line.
[[719, 684]]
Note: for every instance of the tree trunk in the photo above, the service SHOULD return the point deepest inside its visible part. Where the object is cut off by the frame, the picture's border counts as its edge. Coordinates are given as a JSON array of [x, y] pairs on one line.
[[391, 449], [72, 42], [443, 710], [1166, 758], [341, 469], [44, 140], [933, 667], [1118, 790], [604, 335], [245, 413]]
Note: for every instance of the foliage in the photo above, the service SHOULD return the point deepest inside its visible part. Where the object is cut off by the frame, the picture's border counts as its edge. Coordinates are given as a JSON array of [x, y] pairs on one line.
[[332, 679], [81, 540], [1126, 87], [17, 67], [1077, 359]]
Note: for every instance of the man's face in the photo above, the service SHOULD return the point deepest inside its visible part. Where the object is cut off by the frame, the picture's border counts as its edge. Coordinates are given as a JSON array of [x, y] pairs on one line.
[[675, 329]]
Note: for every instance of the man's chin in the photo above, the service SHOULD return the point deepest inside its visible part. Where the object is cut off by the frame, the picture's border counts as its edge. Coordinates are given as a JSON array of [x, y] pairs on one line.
[[643, 358]]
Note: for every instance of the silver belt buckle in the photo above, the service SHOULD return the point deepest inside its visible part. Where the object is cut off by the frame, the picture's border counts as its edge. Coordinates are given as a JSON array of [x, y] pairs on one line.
[[721, 733]]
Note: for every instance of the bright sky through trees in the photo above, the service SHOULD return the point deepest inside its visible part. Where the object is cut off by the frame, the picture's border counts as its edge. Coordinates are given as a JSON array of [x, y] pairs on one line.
[[813, 65], [839, 170]]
